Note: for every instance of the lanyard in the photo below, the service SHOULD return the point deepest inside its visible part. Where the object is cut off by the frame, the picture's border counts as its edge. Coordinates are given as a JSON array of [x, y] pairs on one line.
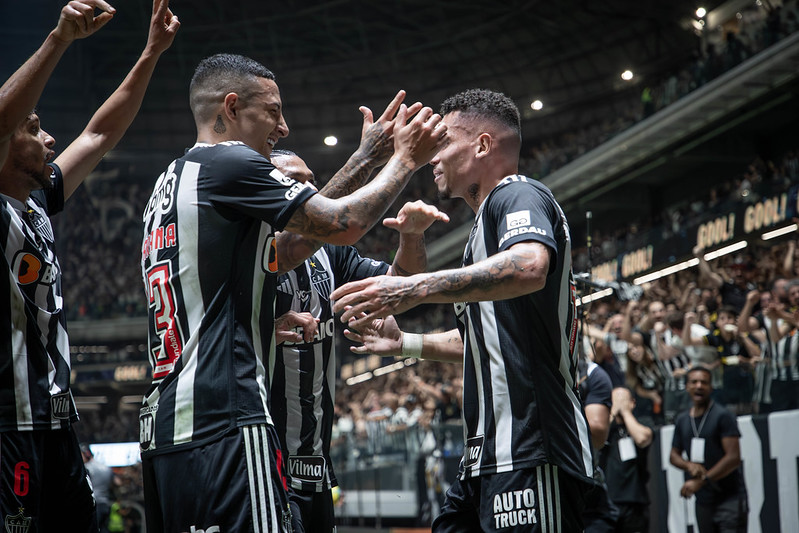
[[701, 422]]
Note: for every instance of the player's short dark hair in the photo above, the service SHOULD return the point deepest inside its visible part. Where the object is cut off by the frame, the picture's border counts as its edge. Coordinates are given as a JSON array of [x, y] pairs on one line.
[[283, 152], [485, 103], [221, 74]]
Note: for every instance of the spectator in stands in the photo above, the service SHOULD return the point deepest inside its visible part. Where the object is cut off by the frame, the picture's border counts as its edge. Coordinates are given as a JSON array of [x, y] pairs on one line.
[[708, 434], [733, 292], [738, 352], [624, 461], [784, 390], [643, 377]]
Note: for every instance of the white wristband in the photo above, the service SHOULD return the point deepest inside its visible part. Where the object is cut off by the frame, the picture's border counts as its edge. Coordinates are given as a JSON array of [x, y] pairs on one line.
[[412, 345]]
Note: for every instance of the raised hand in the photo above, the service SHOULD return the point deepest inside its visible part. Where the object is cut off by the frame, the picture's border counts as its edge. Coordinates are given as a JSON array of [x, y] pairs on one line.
[[376, 297], [417, 138], [380, 336], [163, 27], [415, 218], [77, 19], [377, 139]]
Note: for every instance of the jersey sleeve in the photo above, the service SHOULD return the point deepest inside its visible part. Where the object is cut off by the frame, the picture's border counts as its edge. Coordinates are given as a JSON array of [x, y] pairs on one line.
[[599, 388], [51, 199], [678, 441], [728, 424], [521, 212], [348, 265], [245, 184]]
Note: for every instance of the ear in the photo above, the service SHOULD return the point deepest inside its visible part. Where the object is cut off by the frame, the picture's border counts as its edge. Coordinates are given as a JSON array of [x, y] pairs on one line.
[[231, 105], [484, 144]]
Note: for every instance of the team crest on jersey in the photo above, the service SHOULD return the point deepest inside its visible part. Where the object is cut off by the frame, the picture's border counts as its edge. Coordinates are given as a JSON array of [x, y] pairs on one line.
[[41, 225], [18, 523], [320, 278]]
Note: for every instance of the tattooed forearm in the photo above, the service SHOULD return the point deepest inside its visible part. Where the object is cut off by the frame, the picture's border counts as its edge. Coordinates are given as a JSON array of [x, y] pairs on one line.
[[293, 250], [375, 147], [411, 256], [346, 220], [520, 270]]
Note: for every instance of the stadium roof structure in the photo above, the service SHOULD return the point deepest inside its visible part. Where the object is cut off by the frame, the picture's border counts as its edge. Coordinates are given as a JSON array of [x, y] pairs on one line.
[[332, 56]]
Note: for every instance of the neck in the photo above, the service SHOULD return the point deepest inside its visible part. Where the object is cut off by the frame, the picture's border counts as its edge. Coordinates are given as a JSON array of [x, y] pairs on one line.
[[701, 407]]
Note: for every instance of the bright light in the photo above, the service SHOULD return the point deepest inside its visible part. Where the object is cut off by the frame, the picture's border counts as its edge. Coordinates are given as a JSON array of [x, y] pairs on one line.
[[627, 75], [594, 296], [331, 140], [778, 232], [360, 378], [537, 105], [701, 12], [740, 245]]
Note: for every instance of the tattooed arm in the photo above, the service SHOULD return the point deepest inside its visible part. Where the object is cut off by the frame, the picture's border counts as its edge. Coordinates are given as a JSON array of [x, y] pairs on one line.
[[345, 220], [521, 269], [374, 150]]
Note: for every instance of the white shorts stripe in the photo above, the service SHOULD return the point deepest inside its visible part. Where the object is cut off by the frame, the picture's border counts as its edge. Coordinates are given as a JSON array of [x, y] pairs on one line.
[[556, 487], [540, 480], [272, 503]]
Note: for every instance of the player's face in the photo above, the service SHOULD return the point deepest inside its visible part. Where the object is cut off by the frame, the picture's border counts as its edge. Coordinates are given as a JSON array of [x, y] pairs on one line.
[[294, 167], [453, 163], [30, 151], [262, 122]]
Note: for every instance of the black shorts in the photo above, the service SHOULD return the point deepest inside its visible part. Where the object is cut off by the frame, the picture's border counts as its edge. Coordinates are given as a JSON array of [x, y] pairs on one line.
[[236, 483], [43, 482], [540, 499], [316, 510]]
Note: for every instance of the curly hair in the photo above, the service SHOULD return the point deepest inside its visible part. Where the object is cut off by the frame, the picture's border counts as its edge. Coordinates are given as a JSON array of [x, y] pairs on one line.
[[484, 103]]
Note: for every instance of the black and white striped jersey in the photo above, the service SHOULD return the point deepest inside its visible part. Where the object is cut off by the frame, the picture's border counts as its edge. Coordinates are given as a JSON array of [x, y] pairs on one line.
[[35, 372], [209, 267], [304, 375], [520, 403]]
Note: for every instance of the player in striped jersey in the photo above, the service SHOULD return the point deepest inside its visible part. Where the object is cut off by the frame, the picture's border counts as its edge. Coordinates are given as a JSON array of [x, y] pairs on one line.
[[210, 260], [304, 376], [42, 478], [527, 459]]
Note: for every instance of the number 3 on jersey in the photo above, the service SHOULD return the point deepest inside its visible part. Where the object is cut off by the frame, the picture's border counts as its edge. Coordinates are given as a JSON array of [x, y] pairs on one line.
[[161, 296]]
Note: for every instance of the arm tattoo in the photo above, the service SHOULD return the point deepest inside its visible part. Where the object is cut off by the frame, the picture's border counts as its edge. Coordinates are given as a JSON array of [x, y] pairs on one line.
[[375, 147]]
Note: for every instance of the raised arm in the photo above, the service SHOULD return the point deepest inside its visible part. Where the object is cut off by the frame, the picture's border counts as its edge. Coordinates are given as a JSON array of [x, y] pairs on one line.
[[383, 337], [347, 219], [19, 94], [411, 222], [376, 146], [521, 269], [112, 120], [705, 272]]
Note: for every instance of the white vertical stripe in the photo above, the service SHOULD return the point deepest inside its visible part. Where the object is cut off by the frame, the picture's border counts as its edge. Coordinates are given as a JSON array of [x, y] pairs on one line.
[[291, 361], [539, 477], [273, 506], [252, 480], [188, 225], [476, 242], [258, 279], [500, 395], [548, 485], [556, 488]]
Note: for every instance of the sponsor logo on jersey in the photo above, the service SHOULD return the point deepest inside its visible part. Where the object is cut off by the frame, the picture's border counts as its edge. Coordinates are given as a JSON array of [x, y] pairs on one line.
[[211, 529], [324, 331], [164, 193], [28, 268], [269, 258], [158, 239], [473, 451], [521, 231], [518, 219], [514, 508], [310, 468], [146, 428], [294, 191], [18, 523], [282, 178], [59, 405]]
